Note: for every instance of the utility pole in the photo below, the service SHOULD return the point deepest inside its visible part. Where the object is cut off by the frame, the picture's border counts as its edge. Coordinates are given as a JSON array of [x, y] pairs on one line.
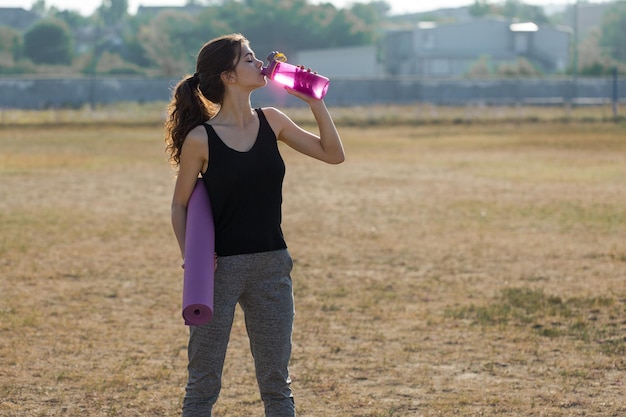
[[573, 90], [575, 26], [575, 65], [615, 94]]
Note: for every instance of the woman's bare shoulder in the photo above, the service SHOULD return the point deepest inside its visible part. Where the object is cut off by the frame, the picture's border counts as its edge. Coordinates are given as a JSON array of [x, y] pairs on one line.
[[196, 137]]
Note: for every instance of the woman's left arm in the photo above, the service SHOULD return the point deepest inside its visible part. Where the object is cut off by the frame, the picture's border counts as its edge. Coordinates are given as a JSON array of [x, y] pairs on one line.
[[326, 147]]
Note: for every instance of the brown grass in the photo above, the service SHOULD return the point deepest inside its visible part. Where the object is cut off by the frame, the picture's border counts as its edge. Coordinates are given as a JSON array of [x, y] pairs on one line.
[[417, 114], [441, 270]]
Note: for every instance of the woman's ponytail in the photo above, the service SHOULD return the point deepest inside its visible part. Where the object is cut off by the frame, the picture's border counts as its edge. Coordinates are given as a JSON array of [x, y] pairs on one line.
[[187, 109]]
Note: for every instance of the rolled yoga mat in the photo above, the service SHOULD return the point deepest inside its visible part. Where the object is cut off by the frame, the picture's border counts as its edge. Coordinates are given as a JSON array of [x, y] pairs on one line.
[[199, 258]]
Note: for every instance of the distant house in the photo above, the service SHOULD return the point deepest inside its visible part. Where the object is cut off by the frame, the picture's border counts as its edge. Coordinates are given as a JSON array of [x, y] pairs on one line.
[[153, 11], [17, 18], [445, 50], [433, 50], [349, 62]]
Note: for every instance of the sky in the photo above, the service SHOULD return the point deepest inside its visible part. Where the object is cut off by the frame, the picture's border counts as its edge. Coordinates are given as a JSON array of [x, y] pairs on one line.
[[86, 7]]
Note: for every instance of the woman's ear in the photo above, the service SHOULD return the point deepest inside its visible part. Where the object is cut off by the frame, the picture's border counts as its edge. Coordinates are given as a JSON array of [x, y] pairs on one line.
[[228, 77]]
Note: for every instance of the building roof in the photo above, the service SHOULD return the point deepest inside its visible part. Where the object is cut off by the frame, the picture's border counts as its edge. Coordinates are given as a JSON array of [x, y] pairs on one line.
[[17, 17]]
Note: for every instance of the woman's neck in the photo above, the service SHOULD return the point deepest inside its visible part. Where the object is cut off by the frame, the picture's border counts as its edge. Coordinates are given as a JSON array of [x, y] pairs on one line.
[[235, 111]]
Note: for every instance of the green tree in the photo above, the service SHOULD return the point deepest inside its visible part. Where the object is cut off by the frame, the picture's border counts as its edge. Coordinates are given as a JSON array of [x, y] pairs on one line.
[[517, 9], [39, 7], [49, 41], [372, 13], [291, 25], [171, 40], [10, 48], [346, 29], [113, 11], [73, 19], [613, 38], [273, 24], [593, 60], [520, 68], [8, 39], [512, 9], [312, 30], [483, 67], [480, 8]]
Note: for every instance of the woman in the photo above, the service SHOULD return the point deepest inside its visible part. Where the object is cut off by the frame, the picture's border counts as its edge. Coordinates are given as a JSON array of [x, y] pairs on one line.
[[212, 131]]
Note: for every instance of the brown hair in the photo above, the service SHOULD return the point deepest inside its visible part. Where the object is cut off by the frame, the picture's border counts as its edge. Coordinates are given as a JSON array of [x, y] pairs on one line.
[[196, 98]]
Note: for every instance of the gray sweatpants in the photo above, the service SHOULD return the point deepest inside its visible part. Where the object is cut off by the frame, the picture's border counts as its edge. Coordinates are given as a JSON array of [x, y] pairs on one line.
[[261, 284]]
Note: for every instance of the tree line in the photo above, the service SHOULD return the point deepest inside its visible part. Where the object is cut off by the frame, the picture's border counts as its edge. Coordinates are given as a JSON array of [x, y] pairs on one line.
[[112, 41]]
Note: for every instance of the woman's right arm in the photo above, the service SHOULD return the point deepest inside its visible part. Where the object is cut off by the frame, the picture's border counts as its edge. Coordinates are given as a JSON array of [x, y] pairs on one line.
[[193, 157]]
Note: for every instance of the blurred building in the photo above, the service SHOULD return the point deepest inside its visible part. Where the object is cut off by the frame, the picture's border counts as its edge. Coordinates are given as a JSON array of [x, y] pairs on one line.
[[447, 50], [349, 62], [433, 50], [17, 18]]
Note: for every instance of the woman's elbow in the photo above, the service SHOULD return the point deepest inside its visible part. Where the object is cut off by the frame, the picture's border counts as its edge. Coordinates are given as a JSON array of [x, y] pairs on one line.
[[337, 158]]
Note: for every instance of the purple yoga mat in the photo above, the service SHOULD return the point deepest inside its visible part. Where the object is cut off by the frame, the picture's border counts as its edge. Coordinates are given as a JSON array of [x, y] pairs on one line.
[[199, 258]]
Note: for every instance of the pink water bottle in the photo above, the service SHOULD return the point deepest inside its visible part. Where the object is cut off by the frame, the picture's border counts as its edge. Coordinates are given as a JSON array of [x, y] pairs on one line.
[[297, 77]]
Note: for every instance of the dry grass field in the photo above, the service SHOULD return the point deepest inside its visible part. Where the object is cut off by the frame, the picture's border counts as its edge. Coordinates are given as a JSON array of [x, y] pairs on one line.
[[443, 270]]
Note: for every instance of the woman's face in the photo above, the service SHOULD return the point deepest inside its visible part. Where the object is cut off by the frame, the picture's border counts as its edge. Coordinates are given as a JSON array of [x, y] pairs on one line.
[[248, 70]]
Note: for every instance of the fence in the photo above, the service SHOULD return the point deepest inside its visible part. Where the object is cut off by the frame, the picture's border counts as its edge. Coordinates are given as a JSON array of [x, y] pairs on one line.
[[40, 93]]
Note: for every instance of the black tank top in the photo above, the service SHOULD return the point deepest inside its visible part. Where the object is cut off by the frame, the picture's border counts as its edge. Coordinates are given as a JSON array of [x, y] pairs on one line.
[[245, 189]]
